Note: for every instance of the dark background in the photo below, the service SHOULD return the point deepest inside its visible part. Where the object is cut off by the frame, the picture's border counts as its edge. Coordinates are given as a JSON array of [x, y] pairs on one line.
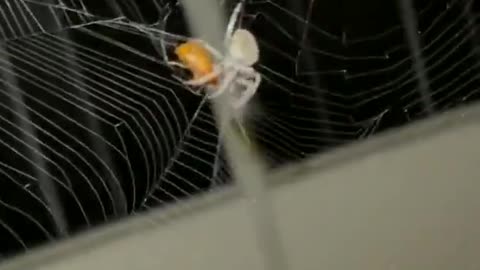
[[334, 72]]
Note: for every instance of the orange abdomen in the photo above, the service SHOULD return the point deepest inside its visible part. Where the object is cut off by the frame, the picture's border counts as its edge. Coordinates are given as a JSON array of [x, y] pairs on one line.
[[197, 59]]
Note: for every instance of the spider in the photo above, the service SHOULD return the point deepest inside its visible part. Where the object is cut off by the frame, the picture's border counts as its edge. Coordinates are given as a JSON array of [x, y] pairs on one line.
[[218, 72]]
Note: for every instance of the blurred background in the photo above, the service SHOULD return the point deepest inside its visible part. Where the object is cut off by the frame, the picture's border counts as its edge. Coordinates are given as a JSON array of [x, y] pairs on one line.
[[94, 128]]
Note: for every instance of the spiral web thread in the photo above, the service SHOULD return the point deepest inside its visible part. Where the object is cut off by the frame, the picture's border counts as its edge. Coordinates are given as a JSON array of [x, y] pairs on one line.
[[95, 128]]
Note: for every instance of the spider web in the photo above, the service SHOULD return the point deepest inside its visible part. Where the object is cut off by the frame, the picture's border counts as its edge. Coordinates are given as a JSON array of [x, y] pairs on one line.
[[94, 127]]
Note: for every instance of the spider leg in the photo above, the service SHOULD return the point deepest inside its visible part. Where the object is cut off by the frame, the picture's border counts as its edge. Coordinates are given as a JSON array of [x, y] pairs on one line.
[[227, 80], [173, 63], [176, 64], [250, 91], [197, 93], [232, 21], [204, 79]]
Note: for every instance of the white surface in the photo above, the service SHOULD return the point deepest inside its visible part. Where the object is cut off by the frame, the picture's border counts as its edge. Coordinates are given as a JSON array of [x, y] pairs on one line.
[[414, 207], [407, 200]]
